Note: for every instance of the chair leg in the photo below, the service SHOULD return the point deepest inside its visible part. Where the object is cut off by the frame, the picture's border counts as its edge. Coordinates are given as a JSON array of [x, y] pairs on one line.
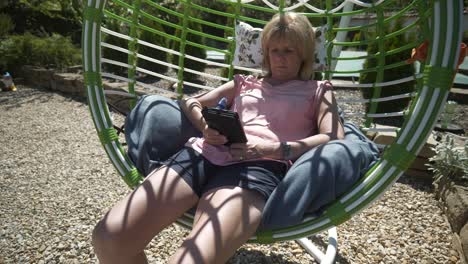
[[317, 254]]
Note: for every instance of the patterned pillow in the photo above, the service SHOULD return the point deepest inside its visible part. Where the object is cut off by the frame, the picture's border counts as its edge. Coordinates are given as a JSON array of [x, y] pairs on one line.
[[320, 50], [249, 53]]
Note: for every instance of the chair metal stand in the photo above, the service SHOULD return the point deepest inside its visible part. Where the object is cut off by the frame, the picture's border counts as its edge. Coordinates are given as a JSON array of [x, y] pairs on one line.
[[316, 253]]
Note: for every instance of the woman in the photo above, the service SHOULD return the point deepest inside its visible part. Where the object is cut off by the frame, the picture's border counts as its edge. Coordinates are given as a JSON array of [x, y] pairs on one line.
[[284, 115]]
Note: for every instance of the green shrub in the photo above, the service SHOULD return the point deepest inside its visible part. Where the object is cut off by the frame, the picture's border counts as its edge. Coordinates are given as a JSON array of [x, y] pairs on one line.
[[112, 54], [6, 25], [450, 160], [44, 17], [55, 51], [145, 35], [389, 74], [172, 5], [359, 36]]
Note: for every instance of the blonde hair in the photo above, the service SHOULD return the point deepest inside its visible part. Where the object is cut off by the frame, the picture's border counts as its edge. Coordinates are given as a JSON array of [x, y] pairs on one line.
[[296, 29]]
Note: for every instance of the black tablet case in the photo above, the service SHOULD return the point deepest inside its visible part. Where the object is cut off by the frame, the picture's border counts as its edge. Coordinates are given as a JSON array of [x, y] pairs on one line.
[[225, 122]]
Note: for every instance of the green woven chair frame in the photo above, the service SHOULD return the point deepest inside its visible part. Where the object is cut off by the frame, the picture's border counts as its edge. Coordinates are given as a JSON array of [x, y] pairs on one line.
[[438, 21]]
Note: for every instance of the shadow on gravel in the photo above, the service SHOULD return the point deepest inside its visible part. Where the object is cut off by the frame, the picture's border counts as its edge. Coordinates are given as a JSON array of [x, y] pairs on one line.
[[256, 256], [320, 243], [422, 185], [25, 95], [339, 259]]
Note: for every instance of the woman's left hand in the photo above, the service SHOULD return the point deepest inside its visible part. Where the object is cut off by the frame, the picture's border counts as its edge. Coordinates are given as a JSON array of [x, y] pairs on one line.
[[246, 151]]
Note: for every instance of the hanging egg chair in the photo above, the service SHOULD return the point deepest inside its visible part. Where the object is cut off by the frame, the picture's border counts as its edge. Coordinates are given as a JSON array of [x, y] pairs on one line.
[[128, 40]]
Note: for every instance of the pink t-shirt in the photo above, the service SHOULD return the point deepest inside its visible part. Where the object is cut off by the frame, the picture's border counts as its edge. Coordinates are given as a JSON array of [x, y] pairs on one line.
[[268, 113]]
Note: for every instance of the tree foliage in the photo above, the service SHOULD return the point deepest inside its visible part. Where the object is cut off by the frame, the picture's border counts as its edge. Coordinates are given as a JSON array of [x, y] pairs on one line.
[[6, 25], [55, 51], [389, 74], [45, 17], [113, 54]]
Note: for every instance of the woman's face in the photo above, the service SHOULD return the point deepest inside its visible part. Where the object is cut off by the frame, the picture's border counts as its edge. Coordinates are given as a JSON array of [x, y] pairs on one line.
[[285, 61]]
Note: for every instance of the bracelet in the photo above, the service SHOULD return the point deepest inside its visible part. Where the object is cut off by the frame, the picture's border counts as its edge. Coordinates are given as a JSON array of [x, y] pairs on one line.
[[285, 150]]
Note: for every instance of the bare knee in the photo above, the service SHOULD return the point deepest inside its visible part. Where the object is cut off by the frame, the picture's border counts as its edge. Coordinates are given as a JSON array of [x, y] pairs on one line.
[[103, 240], [109, 242]]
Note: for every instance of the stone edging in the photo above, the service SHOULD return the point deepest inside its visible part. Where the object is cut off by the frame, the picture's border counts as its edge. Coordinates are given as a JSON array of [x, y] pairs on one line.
[[454, 202], [69, 83]]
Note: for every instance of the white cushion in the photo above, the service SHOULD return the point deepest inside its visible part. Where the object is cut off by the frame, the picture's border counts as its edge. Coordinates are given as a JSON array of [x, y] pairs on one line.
[[248, 51]]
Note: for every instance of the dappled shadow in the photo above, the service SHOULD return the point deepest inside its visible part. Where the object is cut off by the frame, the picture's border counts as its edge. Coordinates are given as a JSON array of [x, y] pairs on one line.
[[159, 201], [25, 95], [422, 185], [244, 256], [340, 259], [320, 243], [148, 79], [395, 121], [188, 89], [21, 97]]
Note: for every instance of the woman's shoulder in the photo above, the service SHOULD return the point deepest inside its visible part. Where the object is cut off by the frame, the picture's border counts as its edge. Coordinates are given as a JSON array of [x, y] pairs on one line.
[[246, 81], [324, 84], [246, 77], [320, 84]]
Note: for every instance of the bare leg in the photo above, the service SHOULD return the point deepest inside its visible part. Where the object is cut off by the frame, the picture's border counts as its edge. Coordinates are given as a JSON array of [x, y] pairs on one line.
[[226, 218], [129, 226]]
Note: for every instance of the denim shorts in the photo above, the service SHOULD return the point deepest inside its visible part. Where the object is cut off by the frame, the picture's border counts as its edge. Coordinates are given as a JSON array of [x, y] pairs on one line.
[[260, 175]]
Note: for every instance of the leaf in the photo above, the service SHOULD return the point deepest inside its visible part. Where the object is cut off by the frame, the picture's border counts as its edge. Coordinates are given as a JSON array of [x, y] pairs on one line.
[[50, 6]]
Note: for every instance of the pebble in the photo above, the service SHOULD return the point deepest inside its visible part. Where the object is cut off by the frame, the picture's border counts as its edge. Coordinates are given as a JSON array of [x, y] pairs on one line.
[[58, 182], [42, 248]]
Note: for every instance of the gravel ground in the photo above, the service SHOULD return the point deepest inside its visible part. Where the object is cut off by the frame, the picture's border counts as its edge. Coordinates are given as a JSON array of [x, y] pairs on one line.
[[56, 182]]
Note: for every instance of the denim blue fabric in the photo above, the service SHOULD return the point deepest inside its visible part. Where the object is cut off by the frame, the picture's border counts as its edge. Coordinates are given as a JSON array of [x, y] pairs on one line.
[[156, 129], [319, 177]]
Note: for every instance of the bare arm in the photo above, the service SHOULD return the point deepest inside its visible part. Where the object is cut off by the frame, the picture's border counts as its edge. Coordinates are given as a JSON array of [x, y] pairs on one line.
[[329, 128], [328, 123]]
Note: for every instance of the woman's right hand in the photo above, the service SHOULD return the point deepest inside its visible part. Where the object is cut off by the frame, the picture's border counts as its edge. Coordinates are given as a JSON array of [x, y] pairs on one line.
[[213, 137], [192, 108]]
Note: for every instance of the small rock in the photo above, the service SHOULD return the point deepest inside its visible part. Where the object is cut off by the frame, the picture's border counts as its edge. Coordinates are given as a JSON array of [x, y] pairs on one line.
[[42, 248], [297, 251]]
